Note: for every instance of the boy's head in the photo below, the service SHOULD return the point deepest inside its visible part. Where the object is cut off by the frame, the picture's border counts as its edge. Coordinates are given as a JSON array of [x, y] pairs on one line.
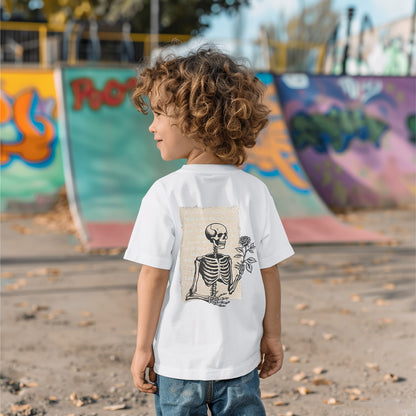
[[212, 99]]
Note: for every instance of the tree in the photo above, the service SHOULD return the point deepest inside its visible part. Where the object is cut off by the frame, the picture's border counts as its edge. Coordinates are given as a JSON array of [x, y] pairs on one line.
[[180, 16], [313, 25]]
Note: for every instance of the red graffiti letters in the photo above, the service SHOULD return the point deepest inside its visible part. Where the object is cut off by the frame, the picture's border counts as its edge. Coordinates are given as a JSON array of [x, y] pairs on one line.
[[112, 95]]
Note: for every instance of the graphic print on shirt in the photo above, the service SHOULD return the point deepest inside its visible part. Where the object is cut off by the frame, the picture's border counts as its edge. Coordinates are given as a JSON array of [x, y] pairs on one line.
[[211, 248]]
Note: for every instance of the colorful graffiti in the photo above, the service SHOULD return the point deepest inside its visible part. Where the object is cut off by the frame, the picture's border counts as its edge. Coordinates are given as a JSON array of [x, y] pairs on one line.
[[273, 154], [354, 136], [113, 93], [110, 154], [31, 163]]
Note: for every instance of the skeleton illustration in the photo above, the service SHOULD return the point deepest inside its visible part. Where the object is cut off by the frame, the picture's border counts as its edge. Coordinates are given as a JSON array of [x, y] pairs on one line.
[[216, 268]]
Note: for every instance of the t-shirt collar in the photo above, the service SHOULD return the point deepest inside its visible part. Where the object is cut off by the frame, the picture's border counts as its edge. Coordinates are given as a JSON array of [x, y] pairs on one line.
[[207, 167]]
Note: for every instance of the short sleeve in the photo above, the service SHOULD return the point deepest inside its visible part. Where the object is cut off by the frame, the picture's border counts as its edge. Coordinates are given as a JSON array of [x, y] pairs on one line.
[[274, 245], [152, 239]]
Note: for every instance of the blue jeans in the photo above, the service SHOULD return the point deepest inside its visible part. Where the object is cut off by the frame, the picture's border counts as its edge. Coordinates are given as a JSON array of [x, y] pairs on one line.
[[235, 397]]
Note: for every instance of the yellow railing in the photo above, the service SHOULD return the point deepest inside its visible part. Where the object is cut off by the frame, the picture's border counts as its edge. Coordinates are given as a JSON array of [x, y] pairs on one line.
[[44, 28]]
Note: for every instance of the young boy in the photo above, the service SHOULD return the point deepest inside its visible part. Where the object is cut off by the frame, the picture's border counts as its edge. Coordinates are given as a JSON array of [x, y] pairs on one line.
[[209, 239]]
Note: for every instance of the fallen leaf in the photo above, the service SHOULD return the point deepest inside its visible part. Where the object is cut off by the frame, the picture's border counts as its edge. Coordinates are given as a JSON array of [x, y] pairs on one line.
[[309, 322], [7, 275], [391, 377], [86, 314], [268, 395], [37, 308], [294, 359], [21, 304], [53, 399], [303, 391], [115, 407], [354, 391], [318, 370], [29, 384], [86, 323], [332, 401], [386, 321], [280, 403], [321, 382], [389, 286], [355, 298], [373, 366], [319, 281], [21, 408], [299, 376], [301, 306], [328, 337], [95, 396], [382, 302]]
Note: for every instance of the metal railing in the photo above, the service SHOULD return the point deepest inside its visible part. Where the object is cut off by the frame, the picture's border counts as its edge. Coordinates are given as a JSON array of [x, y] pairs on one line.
[[45, 43]]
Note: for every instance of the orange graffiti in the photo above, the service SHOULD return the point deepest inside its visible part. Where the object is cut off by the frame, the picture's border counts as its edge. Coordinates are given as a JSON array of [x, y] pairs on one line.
[[274, 151], [35, 143], [5, 109]]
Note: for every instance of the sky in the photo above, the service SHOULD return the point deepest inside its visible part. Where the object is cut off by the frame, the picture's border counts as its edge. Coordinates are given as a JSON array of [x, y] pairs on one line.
[[266, 11]]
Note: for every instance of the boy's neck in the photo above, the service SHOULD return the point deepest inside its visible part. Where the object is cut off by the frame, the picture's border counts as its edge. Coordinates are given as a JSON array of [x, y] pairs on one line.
[[203, 157]]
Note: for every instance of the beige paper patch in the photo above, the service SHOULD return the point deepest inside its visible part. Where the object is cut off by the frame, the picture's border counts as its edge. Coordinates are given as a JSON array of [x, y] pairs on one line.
[[209, 241]]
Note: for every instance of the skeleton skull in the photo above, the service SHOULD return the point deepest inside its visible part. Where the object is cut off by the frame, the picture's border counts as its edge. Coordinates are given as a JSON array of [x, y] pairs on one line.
[[216, 234]]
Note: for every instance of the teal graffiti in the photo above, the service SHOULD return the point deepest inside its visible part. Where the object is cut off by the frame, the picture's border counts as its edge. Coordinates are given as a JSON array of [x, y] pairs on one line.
[[335, 129]]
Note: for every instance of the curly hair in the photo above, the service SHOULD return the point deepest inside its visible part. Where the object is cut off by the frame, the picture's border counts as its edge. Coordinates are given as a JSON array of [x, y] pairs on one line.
[[216, 100]]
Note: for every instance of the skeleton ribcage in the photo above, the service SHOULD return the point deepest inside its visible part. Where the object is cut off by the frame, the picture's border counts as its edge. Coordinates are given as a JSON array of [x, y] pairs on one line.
[[214, 269]]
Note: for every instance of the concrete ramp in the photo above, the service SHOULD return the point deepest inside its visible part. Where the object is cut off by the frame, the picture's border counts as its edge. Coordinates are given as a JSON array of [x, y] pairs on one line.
[[110, 161], [305, 216], [354, 136]]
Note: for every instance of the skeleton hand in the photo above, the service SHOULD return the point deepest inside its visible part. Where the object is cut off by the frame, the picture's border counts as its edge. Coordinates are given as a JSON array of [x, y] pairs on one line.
[[219, 300]]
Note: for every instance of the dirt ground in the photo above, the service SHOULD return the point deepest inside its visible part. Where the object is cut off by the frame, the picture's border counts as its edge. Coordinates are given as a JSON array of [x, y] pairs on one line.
[[68, 323]]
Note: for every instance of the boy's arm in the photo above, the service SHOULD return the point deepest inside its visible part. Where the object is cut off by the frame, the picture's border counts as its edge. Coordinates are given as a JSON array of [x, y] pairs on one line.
[[151, 288], [271, 347]]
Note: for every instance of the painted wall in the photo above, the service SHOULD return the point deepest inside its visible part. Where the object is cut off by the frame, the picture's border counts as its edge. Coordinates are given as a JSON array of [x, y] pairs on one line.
[[275, 162], [31, 164], [110, 157], [355, 137]]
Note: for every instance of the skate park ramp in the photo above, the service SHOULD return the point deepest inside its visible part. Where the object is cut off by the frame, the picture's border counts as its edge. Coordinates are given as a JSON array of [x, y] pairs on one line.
[[305, 216], [354, 136], [110, 161]]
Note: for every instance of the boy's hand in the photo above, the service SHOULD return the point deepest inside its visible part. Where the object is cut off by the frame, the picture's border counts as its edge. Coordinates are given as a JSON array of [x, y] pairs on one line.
[[141, 361], [272, 356]]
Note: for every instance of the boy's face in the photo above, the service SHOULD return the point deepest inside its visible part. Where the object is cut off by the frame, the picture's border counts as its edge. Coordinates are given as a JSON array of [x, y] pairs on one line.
[[171, 142]]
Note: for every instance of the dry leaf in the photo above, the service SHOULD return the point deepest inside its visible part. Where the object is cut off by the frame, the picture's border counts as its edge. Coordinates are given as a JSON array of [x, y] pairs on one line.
[[29, 384], [354, 391], [318, 370], [318, 281], [268, 395], [391, 377], [303, 391], [294, 359], [382, 302], [355, 298], [309, 322], [7, 275], [86, 323], [21, 304], [321, 382], [301, 306], [332, 400], [386, 321], [280, 403], [299, 376], [373, 366], [37, 308], [389, 286], [21, 408], [86, 314], [95, 396], [328, 337], [115, 407], [53, 399]]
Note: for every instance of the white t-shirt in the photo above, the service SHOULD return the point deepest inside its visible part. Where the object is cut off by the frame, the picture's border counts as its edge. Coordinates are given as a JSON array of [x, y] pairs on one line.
[[214, 227]]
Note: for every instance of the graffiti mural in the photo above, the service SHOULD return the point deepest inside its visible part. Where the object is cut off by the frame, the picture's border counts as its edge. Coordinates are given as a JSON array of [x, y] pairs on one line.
[[111, 160], [31, 164], [355, 137], [274, 154]]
